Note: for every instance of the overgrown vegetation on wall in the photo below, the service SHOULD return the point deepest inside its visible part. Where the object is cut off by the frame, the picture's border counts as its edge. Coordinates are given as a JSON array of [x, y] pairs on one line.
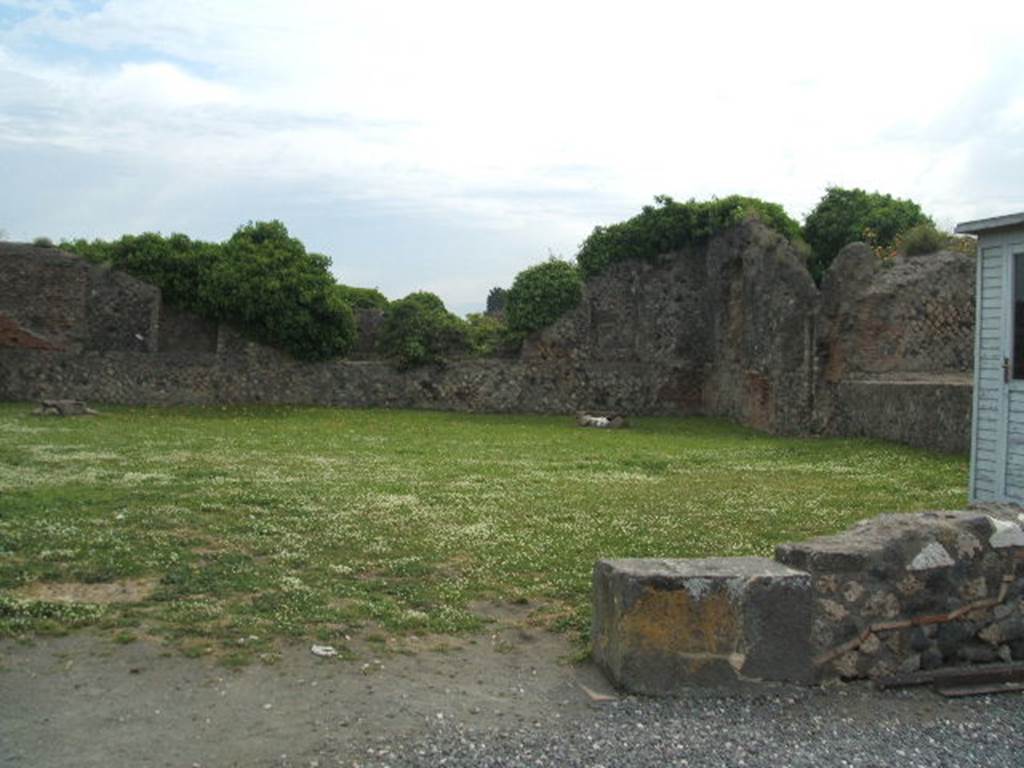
[[266, 282], [845, 216], [419, 330], [261, 279], [670, 226], [543, 293]]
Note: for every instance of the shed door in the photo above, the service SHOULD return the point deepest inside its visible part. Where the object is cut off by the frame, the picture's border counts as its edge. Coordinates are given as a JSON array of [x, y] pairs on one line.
[[990, 432], [1014, 357]]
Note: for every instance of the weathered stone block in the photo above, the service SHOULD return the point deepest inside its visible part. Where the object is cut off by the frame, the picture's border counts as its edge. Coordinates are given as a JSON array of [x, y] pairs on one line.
[[660, 625]]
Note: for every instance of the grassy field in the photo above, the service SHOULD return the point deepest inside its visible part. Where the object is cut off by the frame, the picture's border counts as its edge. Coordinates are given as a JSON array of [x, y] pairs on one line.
[[243, 526]]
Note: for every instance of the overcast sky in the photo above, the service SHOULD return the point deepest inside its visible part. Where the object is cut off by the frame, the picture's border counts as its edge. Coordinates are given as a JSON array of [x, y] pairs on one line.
[[446, 145]]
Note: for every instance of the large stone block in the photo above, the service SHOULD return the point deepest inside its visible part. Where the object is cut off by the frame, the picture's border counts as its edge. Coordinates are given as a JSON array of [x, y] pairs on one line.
[[660, 625]]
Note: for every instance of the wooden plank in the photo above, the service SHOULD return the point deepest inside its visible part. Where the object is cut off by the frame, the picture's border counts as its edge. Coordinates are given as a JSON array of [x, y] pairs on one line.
[[960, 691], [985, 444], [978, 674]]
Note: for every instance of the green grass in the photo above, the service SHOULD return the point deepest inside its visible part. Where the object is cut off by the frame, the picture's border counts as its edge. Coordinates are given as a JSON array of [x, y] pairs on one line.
[[266, 523]]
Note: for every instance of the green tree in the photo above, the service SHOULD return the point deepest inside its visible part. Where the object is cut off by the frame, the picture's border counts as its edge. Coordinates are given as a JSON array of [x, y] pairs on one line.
[[362, 298], [844, 216], [489, 334], [497, 299], [261, 279], [265, 280], [541, 294], [419, 330]]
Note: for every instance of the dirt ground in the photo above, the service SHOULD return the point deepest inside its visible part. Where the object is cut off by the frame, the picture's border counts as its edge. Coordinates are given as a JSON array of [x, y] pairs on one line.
[[84, 700]]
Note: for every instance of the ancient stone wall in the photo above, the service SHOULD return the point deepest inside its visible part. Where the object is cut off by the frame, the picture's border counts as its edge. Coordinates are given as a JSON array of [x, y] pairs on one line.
[[901, 593], [895, 348], [71, 305], [761, 304], [734, 329], [896, 595]]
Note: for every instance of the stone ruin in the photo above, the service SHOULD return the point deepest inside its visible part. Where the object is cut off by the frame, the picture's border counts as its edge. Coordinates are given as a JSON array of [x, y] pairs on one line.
[[736, 328], [896, 595]]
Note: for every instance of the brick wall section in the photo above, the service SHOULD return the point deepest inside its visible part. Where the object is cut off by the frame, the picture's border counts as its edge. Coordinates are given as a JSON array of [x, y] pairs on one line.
[[13, 335], [44, 291]]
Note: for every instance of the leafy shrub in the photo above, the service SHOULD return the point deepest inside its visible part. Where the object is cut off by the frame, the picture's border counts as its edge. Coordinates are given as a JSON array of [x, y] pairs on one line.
[[362, 298], [261, 279], [43, 242], [489, 335], [497, 299], [176, 264], [266, 280], [669, 226], [923, 238], [541, 294], [419, 330], [845, 216]]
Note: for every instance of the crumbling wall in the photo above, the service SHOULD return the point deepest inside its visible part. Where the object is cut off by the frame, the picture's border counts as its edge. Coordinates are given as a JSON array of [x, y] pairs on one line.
[[53, 300], [761, 303], [635, 316], [42, 297], [895, 348], [734, 329]]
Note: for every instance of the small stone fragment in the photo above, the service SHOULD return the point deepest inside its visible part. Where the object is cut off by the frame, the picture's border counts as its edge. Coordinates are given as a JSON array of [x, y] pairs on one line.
[[1007, 534], [975, 589], [853, 592], [846, 665], [833, 610], [976, 653], [1003, 631], [911, 664], [967, 545], [933, 555], [871, 644]]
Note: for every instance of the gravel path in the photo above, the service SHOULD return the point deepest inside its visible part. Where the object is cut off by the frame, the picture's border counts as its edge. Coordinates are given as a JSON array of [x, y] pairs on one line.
[[846, 726]]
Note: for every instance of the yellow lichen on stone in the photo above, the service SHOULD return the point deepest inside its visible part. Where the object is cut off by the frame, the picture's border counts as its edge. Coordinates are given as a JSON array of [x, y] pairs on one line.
[[674, 622]]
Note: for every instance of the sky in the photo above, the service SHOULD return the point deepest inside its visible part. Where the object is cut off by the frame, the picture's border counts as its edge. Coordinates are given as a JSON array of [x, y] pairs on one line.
[[445, 146]]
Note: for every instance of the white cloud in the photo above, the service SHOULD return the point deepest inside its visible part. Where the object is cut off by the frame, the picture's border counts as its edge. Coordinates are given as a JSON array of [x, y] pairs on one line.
[[545, 116]]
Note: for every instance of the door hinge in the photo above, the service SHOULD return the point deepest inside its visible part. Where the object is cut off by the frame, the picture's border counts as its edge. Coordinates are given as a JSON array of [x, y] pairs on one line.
[[1006, 370]]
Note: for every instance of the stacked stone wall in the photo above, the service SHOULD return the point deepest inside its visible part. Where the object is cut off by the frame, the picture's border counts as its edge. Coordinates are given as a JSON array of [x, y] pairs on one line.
[[902, 593], [897, 595]]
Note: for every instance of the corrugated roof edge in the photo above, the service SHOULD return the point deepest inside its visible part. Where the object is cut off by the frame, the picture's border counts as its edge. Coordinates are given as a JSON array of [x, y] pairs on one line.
[[985, 225]]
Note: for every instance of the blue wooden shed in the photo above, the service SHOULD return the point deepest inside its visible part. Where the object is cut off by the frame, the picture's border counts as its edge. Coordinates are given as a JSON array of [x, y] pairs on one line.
[[997, 431]]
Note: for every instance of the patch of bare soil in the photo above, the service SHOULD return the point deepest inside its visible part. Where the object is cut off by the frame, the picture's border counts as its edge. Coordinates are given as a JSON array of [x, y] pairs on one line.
[[84, 700], [124, 591]]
